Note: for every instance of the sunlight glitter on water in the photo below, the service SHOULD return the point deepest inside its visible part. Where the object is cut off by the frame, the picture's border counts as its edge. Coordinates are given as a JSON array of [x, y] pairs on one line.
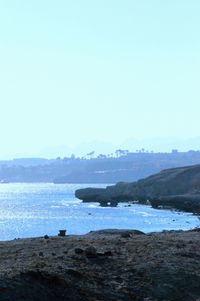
[[29, 210]]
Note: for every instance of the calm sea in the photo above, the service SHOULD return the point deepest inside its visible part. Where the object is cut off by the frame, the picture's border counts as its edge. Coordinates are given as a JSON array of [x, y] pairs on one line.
[[28, 210]]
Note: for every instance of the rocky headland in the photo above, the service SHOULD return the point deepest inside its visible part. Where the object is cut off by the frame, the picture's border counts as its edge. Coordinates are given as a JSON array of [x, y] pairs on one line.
[[114, 265], [177, 188]]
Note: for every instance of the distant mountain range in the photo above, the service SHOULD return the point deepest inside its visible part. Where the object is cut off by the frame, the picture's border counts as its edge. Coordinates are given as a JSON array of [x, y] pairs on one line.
[[156, 144]]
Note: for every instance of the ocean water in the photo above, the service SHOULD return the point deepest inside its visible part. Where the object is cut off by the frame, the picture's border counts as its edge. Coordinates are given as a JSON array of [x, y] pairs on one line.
[[30, 210]]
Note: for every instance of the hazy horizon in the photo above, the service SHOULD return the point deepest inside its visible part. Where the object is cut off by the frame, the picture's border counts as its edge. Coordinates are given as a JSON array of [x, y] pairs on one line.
[[132, 145], [77, 75]]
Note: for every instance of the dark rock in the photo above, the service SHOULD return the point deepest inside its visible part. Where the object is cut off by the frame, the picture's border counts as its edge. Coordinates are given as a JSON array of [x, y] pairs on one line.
[[91, 251], [78, 251], [62, 233], [60, 267], [41, 254], [92, 194], [126, 235], [108, 253], [115, 232]]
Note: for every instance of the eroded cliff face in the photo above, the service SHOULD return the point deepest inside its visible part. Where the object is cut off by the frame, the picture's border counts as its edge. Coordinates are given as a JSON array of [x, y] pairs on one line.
[[177, 187]]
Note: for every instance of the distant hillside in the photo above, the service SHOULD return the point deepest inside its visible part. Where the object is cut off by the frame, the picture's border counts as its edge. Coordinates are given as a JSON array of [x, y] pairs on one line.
[[126, 167], [26, 162]]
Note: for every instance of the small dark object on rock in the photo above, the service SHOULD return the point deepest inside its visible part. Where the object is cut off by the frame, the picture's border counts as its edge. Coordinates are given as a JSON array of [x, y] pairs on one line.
[[41, 254], [91, 251], [53, 254], [78, 251], [46, 236], [62, 233]]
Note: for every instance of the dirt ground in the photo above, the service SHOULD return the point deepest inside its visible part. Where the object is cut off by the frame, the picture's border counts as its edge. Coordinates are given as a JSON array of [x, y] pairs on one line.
[[112, 265]]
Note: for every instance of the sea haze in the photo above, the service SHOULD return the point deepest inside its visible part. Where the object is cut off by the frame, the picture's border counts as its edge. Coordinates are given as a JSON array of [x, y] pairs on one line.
[[30, 210]]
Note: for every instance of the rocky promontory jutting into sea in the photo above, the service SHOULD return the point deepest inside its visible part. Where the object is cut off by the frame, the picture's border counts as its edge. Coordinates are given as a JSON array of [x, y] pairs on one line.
[[177, 188]]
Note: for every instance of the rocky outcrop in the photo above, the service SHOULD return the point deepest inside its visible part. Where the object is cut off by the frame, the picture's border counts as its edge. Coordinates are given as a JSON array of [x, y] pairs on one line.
[[178, 188]]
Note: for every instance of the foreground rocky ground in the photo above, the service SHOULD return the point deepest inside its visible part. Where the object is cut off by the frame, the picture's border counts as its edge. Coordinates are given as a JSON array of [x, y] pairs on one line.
[[112, 265]]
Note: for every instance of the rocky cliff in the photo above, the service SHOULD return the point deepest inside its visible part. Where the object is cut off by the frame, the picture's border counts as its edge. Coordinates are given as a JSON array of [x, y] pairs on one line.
[[178, 188]]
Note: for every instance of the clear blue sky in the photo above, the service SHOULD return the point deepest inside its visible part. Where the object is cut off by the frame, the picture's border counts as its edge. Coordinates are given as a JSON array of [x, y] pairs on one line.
[[74, 71]]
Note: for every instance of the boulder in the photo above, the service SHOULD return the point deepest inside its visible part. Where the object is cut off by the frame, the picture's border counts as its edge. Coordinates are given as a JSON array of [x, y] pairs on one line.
[[91, 251]]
